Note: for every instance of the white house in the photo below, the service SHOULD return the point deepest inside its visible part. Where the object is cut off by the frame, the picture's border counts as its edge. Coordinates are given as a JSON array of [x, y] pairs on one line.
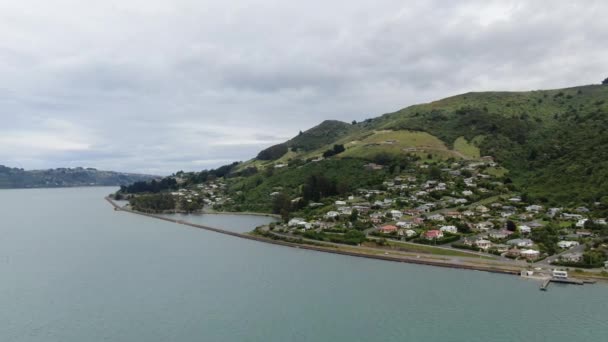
[[332, 214], [581, 222], [340, 202], [396, 214], [467, 193], [482, 209], [571, 257], [524, 229], [405, 224], [487, 225], [296, 221], [449, 229], [567, 244], [483, 244], [407, 232], [436, 217], [521, 242], [534, 208], [529, 254]]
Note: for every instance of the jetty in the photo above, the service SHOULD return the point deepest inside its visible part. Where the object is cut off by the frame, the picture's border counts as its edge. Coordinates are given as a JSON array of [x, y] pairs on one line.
[[561, 277]]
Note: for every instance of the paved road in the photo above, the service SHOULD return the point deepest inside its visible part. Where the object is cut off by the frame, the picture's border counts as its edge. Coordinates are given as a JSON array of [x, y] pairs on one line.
[[451, 258], [547, 261]]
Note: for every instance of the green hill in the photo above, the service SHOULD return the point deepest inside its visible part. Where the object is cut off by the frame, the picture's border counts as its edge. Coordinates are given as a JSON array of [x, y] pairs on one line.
[[551, 145], [553, 142]]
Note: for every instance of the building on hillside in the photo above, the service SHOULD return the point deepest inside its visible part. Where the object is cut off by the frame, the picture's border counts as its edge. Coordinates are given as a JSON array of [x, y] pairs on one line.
[[483, 244], [529, 254], [449, 229], [571, 257], [433, 234], [521, 242], [387, 229], [567, 244]]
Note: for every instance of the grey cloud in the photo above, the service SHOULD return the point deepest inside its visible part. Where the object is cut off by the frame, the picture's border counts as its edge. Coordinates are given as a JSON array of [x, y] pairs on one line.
[[158, 87]]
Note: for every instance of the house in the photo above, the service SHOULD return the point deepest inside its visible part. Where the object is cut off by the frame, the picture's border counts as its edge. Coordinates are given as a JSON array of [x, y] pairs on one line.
[[418, 220], [361, 208], [501, 248], [554, 211], [453, 214], [340, 203], [499, 234], [407, 232], [567, 244], [396, 214], [433, 234], [332, 214], [600, 221], [529, 254], [571, 257], [567, 216], [372, 167], [524, 229], [405, 224], [345, 210], [468, 213], [583, 233], [436, 217], [467, 193], [387, 229], [483, 244], [449, 229], [296, 221], [482, 209], [534, 208], [483, 226], [521, 242], [581, 223]]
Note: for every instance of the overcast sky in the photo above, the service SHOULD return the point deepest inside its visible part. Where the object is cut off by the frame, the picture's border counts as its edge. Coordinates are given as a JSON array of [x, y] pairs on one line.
[[160, 86]]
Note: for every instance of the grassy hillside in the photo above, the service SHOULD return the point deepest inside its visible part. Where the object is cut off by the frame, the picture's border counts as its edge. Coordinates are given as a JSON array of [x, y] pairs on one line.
[[551, 141]]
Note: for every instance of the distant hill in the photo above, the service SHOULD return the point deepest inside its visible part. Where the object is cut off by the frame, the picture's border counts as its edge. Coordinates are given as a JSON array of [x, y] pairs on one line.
[[65, 177]]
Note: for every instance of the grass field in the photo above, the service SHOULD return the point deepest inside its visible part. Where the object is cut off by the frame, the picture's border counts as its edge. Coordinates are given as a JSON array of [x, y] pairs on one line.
[[398, 142], [467, 148], [433, 250]]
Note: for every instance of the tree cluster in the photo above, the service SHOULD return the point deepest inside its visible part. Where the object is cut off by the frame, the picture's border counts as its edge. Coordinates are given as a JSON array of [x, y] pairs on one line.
[[337, 149], [273, 152]]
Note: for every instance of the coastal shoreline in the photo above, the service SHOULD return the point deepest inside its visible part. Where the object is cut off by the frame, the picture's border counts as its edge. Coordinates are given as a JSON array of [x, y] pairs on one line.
[[402, 259]]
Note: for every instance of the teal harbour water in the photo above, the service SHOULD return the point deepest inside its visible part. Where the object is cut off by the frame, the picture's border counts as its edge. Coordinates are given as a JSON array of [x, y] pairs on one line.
[[73, 269]]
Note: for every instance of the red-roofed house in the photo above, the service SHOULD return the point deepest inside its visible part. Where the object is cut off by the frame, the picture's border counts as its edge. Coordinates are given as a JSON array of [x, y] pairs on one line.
[[433, 234], [387, 229]]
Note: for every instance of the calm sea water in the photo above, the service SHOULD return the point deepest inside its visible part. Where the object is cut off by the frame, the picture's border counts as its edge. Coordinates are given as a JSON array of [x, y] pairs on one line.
[[72, 269]]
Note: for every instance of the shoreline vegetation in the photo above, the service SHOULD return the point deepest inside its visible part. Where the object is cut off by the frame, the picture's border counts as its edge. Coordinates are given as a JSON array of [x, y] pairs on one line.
[[471, 263]]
